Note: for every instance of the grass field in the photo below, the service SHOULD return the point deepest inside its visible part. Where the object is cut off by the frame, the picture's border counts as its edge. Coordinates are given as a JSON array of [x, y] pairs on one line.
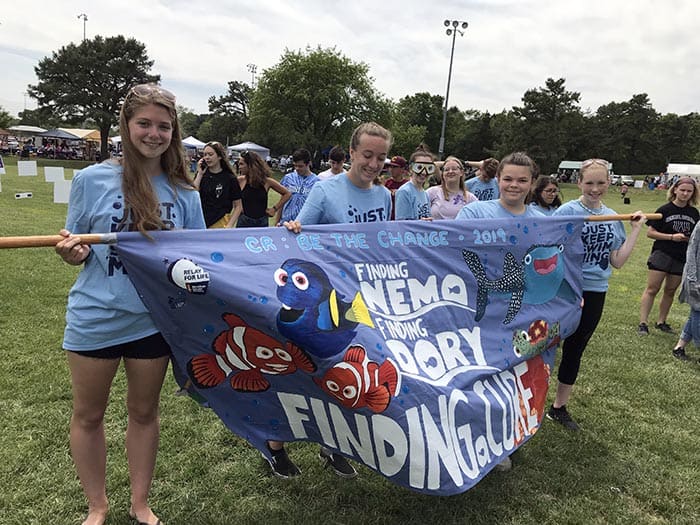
[[634, 462]]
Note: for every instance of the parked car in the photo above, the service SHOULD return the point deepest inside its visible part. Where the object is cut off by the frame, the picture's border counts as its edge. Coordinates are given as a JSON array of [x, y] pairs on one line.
[[619, 180]]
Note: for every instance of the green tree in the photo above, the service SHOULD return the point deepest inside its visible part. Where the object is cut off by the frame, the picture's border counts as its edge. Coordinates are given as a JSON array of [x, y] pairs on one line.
[[694, 136], [673, 139], [229, 114], [313, 98], [90, 80], [189, 121], [415, 112], [476, 141], [6, 120], [545, 123], [625, 133], [43, 118]]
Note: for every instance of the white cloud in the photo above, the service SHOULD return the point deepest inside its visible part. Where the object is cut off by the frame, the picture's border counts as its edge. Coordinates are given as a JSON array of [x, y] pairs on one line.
[[606, 50]]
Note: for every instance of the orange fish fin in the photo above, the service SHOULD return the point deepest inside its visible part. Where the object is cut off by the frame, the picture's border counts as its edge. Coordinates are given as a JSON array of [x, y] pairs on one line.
[[301, 358], [220, 343], [389, 376], [378, 399], [249, 381], [355, 354], [205, 371], [233, 320]]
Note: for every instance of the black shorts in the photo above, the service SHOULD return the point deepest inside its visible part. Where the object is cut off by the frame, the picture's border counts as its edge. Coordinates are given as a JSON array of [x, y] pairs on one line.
[[662, 262], [151, 347]]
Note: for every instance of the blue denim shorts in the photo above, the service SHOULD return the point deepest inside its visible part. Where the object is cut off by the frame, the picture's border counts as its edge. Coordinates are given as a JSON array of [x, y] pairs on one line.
[[691, 330]]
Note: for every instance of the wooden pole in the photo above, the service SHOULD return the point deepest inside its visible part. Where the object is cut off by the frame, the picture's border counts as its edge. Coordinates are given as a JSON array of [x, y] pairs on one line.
[[622, 217], [38, 241]]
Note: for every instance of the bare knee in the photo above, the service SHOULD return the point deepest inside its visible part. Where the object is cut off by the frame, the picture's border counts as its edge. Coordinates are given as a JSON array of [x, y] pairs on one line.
[[143, 414], [652, 290], [87, 420]]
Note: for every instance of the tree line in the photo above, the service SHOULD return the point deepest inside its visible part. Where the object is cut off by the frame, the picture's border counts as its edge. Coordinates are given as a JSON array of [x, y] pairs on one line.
[[314, 98]]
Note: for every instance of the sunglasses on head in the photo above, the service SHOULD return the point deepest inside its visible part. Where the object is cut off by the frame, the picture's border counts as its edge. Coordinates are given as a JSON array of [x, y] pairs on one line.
[[590, 162], [148, 89], [423, 167]]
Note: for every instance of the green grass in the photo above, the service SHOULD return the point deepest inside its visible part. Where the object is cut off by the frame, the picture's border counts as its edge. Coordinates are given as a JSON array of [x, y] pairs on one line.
[[635, 462]]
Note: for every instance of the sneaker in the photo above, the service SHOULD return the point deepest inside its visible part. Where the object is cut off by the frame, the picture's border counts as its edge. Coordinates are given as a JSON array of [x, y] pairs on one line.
[[561, 416], [338, 463], [505, 465], [281, 465], [664, 327], [643, 329], [679, 353]]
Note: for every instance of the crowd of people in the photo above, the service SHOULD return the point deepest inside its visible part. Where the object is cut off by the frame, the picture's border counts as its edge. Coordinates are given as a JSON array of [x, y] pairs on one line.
[[107, 323]]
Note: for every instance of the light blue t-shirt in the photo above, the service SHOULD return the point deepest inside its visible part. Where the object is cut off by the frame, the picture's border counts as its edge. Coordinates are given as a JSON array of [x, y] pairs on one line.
[[542, 209], [337, 201], [411, 202], [484, 191], [599, 239], [104, 308], [300, 187], [493, 210]]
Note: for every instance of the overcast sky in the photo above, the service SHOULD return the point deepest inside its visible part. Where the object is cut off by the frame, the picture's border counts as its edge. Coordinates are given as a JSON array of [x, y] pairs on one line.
[[607, 50]]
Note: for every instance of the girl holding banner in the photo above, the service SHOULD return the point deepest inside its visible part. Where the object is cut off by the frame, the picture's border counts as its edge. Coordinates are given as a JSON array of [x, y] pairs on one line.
[[106, 320], [328, 204], [606, 246], [515, 175]]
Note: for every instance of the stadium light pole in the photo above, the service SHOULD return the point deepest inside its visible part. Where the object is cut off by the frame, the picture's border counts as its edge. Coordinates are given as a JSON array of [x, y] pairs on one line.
[[84, 17], [453, 27], [253, 69]]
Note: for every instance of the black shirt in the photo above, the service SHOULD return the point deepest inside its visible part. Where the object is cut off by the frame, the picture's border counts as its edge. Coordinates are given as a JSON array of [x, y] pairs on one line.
[[674, 220], [217, 192]]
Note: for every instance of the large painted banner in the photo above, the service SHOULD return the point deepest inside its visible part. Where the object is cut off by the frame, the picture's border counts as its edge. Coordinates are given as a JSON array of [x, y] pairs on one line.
[[422, 350]]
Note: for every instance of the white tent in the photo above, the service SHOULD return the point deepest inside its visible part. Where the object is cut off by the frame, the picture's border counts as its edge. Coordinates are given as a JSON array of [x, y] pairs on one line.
[[27, 130], [250, 146], [192, 142], [684, 170]]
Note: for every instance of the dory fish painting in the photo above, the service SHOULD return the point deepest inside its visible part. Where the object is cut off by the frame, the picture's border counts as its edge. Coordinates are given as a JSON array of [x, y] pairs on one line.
[[356, 382], [246, 355], [536, 280], [313, 313]]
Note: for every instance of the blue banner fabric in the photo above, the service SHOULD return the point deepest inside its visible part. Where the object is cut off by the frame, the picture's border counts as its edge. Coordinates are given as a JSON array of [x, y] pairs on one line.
[[422, 350]]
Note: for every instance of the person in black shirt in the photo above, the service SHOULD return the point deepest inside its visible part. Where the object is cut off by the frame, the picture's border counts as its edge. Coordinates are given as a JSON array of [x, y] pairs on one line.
[[671, 234], [218, 188]]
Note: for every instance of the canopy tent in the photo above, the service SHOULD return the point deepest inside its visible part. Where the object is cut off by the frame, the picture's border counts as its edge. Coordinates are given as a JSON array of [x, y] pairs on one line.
[[58, 134], [26, 130], [576, 165], [684, 170], [192, 142], [251, 146], [84, 134]]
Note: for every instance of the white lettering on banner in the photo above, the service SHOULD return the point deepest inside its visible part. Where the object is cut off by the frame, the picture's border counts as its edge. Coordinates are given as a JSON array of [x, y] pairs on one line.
[[398, 302], [438, 365], [411, 297], [438, 438]]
